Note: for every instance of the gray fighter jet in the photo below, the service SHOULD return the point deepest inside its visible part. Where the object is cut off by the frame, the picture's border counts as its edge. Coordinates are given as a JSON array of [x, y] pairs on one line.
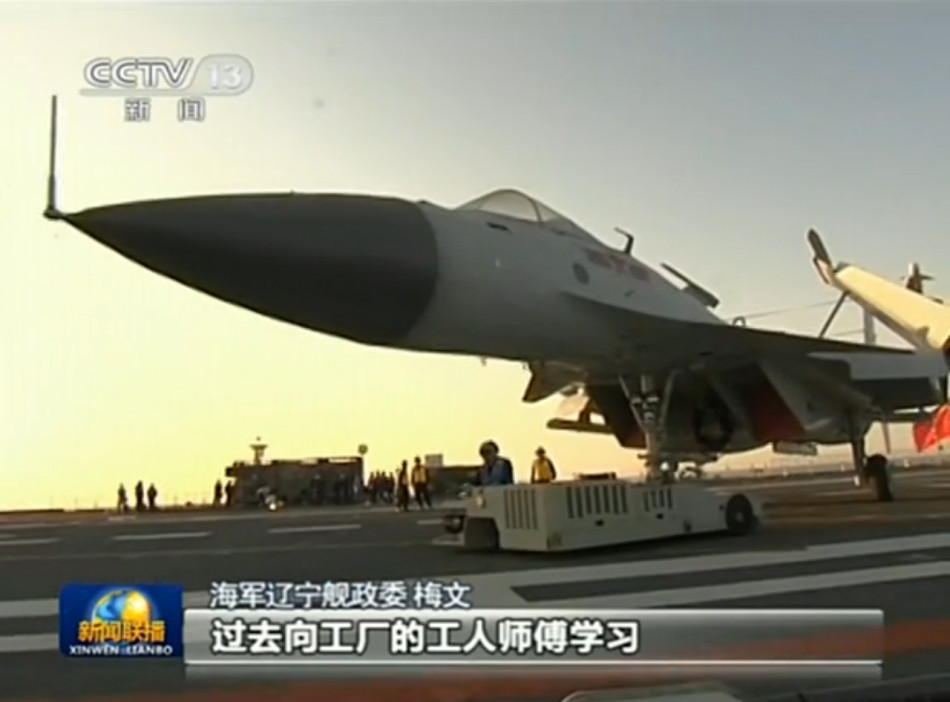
[[506, 277]]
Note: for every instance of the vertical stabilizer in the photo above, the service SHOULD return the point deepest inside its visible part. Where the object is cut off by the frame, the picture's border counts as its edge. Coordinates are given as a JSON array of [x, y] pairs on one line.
[[52, 211]]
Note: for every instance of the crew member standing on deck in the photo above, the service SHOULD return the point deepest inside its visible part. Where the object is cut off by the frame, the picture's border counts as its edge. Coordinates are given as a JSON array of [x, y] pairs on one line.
[[402, 487], [496, 469], [139, 497], [542, 470], [123, 499], [420, 484]]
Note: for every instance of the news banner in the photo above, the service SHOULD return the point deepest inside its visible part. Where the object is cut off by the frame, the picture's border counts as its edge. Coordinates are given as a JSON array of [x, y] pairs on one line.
[[432, 623]]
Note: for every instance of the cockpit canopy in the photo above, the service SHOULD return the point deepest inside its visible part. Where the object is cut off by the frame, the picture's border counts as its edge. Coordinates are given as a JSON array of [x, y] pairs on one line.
[[518, 205]]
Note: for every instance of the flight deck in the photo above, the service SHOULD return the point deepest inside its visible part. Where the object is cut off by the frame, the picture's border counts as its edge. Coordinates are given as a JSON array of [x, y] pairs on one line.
[[825, 545]]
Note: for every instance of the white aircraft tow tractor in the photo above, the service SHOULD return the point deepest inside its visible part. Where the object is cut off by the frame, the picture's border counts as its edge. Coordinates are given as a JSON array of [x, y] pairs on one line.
[[575, 515]]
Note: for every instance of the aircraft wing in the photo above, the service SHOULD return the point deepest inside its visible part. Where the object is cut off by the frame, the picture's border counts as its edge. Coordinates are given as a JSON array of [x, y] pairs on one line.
[[733, 339], [683, 342], [770, 386]]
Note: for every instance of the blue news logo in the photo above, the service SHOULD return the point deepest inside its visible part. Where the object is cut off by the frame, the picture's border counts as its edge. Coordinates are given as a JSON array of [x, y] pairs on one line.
[[141, 621]]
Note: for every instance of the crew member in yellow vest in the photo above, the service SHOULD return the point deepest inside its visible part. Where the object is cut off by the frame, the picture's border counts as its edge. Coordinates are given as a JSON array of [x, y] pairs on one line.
[[402, 487], [420, 483], [542, 470]]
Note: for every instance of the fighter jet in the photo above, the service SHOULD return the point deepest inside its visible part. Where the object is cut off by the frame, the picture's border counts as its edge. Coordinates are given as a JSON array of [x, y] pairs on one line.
[[506, 277]]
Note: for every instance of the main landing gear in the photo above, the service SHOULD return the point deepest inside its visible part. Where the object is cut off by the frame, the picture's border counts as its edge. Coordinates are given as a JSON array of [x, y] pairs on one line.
[[872, 470], [649, 409]]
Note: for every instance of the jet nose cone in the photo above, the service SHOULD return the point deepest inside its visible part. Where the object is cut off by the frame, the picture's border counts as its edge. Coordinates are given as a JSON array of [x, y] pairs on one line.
[[354, 266]]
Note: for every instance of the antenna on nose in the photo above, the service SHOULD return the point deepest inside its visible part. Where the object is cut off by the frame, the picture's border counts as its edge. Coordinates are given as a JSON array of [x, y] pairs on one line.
[[52, 211]]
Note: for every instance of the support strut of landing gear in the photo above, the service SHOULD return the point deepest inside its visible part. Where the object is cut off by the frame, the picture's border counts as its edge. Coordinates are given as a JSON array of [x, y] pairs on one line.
[[873, 470], [649, 409]]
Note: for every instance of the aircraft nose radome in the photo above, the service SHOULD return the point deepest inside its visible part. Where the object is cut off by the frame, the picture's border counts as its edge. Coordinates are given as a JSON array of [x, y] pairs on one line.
[[354, 266]]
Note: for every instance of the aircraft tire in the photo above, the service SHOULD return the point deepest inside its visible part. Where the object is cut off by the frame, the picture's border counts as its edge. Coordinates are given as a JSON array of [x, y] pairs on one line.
[[740, 516], [879, 475]]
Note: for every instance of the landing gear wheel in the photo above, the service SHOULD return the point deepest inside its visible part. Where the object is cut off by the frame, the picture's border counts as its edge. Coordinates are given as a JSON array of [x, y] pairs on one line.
[[740, 516], [649, 411], [878, 474]]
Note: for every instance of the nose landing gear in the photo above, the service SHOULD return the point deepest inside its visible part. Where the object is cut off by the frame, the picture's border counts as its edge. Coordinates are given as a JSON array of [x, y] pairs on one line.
[[649, 410]]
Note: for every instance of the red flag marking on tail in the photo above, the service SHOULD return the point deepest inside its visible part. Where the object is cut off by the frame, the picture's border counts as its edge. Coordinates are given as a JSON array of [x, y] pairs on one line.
[[929, 434]]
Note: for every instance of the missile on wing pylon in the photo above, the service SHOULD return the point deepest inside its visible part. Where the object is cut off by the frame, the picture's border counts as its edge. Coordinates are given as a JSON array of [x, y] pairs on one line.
[[922, 322]]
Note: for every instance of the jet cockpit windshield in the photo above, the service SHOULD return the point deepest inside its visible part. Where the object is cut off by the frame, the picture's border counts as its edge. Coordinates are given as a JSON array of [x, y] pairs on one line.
[[517, 205]]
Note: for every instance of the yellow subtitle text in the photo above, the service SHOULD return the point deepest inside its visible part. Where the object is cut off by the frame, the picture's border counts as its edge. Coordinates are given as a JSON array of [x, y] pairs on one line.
[[122, 632]]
